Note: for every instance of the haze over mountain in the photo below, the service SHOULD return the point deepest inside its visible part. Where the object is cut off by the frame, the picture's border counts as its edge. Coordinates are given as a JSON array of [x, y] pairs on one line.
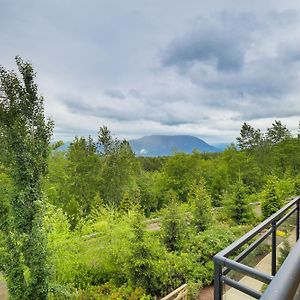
[[161, 145], [165, 145]]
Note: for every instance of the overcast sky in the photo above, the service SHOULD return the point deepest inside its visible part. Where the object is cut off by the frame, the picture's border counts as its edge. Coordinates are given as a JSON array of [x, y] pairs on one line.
[[159, 66]]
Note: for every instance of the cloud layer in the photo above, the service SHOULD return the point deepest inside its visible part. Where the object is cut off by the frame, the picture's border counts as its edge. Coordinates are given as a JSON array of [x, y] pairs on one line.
[[159, 67]]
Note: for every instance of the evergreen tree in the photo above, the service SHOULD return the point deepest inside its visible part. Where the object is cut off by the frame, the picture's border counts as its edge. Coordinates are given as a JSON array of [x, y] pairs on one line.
[[271, 201], [126, 202], [26, 136], [172, 225], [238, 207], [105, 140], [200, 201], [277, 133], [249, 138], [140, 261]]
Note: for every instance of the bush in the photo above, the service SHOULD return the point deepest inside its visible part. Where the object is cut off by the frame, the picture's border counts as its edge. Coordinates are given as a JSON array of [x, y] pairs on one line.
[[174, 270], [111, 292]]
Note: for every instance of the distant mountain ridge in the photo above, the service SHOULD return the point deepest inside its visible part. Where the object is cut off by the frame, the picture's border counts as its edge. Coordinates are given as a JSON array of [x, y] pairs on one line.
[[164, 145]]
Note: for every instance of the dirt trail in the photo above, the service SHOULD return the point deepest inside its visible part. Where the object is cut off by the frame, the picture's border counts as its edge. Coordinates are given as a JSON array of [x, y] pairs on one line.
[[3, 291], [207, 293]]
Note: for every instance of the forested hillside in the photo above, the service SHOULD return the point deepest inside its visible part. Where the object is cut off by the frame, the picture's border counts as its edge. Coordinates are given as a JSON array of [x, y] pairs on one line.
[[77, 224], [99, 243], [105, 198]]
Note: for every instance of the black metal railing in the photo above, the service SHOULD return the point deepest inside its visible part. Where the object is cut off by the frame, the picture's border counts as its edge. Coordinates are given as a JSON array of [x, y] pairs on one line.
[[286, 282], [225, 261]]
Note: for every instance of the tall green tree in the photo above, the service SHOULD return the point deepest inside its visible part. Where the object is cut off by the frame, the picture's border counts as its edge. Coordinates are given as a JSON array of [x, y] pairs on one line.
[[238, 206], [151, 191], [73, 179], [173, 225], [140, 261], [277, 133], [271, 200], [179, 171], [249, 138], [120, 168], [57, 180], [200, 201], [26, 136], [218, 181], [242, 166], [286, 156], [83, 175], [105, 140]]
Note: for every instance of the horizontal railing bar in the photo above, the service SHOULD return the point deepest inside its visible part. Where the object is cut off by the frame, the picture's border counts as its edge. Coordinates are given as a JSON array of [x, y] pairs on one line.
[[257, 242], [285, 217], [248, 236], [251, 272], [251, 247], [286, 282], [247, 290]]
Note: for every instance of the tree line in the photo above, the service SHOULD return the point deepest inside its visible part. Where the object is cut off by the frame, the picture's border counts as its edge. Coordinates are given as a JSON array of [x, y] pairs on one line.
[[73, 223]]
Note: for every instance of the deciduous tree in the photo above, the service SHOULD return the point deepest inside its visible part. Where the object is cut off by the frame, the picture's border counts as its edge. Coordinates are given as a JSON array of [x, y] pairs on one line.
[[26, 136], [120, 168]]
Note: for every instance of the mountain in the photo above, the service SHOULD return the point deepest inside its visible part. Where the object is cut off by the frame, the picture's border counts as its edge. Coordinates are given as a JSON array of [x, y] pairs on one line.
[[161, 145], [222, 146], [64, 147]]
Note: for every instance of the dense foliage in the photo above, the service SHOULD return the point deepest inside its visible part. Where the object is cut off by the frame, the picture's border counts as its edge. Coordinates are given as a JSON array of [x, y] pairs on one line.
[[120, 227], [185, 194], [25, 136]]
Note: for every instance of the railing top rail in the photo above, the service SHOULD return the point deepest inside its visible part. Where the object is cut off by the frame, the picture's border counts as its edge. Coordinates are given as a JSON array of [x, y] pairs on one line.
[[252, 233], [287, 280], [249, 271]]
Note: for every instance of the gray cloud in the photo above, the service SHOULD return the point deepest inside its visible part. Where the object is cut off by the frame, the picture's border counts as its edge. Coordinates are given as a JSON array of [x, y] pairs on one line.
[[169, 67], [218, 41], [241, 63], [115, 93], [127, 109]]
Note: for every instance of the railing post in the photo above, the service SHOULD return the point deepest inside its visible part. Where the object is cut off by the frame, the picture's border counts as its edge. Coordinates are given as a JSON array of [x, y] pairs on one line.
[[297, 221], [217, 281], [273, 248]]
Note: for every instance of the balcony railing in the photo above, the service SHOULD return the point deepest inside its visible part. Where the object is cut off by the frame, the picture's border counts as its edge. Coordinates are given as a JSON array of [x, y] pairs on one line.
[[281, 286]]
